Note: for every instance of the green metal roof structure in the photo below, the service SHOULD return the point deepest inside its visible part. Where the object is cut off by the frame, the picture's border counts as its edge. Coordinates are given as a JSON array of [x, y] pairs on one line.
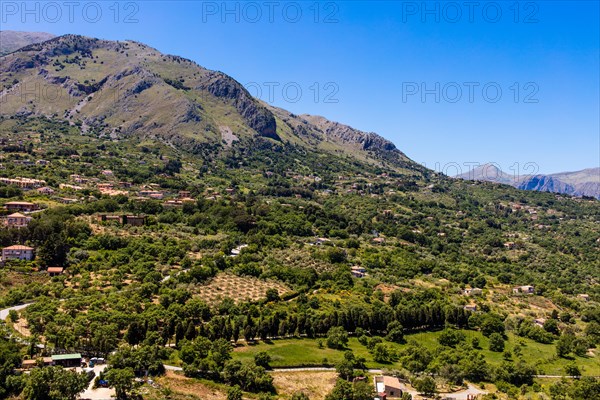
[[58, 357]]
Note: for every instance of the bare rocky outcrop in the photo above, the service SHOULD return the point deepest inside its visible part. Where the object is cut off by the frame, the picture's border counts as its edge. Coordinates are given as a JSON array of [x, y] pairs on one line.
[[256, 115]]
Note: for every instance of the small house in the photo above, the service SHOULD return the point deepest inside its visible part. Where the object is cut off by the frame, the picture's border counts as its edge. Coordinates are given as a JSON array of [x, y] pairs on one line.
[[78, 178], [387, 387], [55, 271], [153, 194], [358, 271], [527, 289], [470, 307], [29, 364], [17, 220], [17, 252], [473, 292], [45, 190], [134, 220], [584, 297]]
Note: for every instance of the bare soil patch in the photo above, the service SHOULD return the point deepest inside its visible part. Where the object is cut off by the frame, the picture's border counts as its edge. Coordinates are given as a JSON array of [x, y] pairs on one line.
[[316, 384], [182, 385]]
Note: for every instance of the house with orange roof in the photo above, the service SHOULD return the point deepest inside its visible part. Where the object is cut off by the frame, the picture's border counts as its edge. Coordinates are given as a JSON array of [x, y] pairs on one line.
[[16, 220], [387, 387], [54, 271], [20, 206]]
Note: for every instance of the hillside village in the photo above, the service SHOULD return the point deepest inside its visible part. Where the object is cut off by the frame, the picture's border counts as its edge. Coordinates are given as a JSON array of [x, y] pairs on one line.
[[152, 201], [146, 254]]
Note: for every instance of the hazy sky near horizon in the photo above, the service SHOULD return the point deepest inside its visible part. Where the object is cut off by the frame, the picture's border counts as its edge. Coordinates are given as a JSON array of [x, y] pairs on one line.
[[448, 82]]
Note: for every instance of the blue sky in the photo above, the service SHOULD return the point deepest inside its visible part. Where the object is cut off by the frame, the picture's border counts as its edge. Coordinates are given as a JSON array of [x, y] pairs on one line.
[[428, 77]]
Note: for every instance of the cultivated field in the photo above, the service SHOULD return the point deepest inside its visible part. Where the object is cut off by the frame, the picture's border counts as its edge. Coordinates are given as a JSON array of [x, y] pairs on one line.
[[238, 288]]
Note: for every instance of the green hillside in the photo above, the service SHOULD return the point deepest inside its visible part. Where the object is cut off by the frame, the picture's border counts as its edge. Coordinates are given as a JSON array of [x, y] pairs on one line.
[[270, 232]]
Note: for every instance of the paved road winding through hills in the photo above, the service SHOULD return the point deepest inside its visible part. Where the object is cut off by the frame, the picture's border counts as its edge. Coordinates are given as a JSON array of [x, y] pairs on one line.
[[4, 313]]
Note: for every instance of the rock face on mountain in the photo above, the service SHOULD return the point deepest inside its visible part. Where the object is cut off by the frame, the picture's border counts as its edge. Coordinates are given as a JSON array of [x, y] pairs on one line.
[[14, 40], [579, 183], [256, 116], [114, 88], [545, 183], [342, 133]]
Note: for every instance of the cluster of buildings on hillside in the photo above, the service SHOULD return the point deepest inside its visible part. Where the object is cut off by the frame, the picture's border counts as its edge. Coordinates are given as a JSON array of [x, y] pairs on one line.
[[182, 198], [110, 186], [19, 219], [19, 252], [23, 183], [16, 218]]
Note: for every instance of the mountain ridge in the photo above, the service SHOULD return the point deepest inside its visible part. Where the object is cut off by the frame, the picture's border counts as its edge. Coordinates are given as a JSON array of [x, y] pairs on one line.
[[166, 97], [585, 182], [13, 40]]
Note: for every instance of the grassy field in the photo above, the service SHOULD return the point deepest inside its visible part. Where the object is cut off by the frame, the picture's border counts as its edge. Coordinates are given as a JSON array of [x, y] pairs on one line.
[[306, 352]]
